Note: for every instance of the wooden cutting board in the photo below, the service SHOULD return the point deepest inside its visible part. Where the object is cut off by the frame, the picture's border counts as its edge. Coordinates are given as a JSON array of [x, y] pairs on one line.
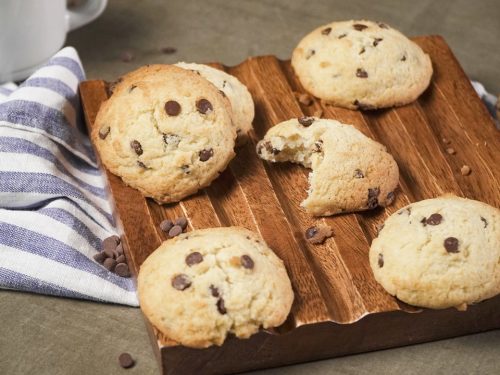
[[339, 308]]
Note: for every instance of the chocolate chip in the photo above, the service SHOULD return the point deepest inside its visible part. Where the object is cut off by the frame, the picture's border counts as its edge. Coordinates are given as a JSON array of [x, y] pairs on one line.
[[109, 264], [358, 173], [484, 221], [131, 88], [403, 58], [206, 154], [305, 121], [363, 106], [175, 231], [181, 282], [136, 146], [100, 257], [122, 270], [434, 219], [377, 41], [220, 306], [326, 31], [194, 258], [126, 360], [171, 139], [380, 260], [247, 262], [214, 291], [182, 222], [318, 234], [120, 259], [424, 221], [141, 164], [224, 83], [362, 51], [359, 26], [318, 146], [382, 25], [172, 108], [168, 50], [204, 106], [111, 242], [104, 131], [342, 36], [373, 197], [451, 245], [119, 249], [390, 197], [310, 53], [166, 225], [361, 73]]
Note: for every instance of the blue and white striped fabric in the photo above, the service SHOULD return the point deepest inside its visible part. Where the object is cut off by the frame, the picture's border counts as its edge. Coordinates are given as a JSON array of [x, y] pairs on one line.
[[54, 210]]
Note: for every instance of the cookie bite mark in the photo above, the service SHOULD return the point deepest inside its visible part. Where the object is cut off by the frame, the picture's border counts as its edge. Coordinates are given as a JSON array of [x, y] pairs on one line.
[[247, 262], [204, 106]]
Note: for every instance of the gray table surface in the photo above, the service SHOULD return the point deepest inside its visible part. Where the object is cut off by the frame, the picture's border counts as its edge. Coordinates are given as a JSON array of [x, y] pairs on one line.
[[47, 335]]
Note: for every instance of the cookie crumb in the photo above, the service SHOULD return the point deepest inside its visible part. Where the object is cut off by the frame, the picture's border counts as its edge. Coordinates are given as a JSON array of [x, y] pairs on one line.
[[451, 151], [465, 170], [318, 234]]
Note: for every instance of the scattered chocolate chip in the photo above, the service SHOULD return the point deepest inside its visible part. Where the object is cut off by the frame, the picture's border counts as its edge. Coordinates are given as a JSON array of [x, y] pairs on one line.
[[358, 174], [484, 221], [214, 291], [100, 257], [104, 131], [361, 73], [109, 252], [166, 225], [141, 164], [171, 139], [390, 197], [220, 306], [204, 106], [342, 36], [247, 262], [318, 146], [194, 258], [136, 146], [363, 106], [175, 231], [382, 25], [120, 259], [182, 222], [326, 31], [310, 53], [451, 245], [305, 121], [381, 260], [362, 51], [122, 270], [318, 234], [403, 58], [131, 88], [127, 56], [206, 154], [168, 50], [172, 108], [451, 151], [126, 360], [305, 99], [373, 197], [181, 281], [109, 264], [359, 26], [434, 219], [119, 249], [376, 41], [465, 170], [318, 113], [111, 242]]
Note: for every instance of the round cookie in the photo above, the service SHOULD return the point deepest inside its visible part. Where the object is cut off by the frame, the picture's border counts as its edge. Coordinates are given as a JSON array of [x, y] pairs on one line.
[[350, 172], [237, 93], [439, 253], [361, 65], [165, 131], [204, 284]]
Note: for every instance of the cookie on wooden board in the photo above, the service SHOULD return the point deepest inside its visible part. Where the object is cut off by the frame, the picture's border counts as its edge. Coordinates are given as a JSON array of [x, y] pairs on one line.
[[439, 253], [202, 285]]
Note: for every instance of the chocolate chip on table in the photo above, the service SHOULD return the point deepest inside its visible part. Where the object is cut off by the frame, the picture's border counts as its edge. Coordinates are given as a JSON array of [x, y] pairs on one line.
[[136, 146], [326, 31], [120, 259], [168, 50], [182, 222], [100, 257], [484, 221], [111, 242], [104, 131], [175, 231], [247, 262], [359, 26], [122, 270], [373, 197], [465, 170], [172, 108], [110, 253], [214, 291], [451, 245], [305, 121], [361, 73], [194, 258], [127, 56], [181, 282], [109, 264], [220, 306], [358, 173], [126, 360], [380, 260], [376, 41], [204, 106], [434, 219], [318, 234], [166, 225], [206, 154]]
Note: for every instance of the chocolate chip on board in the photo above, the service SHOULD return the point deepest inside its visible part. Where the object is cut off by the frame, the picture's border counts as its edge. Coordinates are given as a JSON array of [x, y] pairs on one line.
[[120, 259], [181, 282], [109, 264], [126, 360], [122, 270], [175, 231], [182, 222], [100, 257], [111, 242], [359, 26], [166, 225]]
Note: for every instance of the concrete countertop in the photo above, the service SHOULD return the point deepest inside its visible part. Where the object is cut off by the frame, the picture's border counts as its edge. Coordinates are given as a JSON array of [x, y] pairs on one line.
[[48, 335]]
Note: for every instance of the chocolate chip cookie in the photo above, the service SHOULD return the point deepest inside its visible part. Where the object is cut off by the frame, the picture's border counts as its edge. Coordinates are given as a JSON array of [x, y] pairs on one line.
[[361, 65], [350, 172], [202, 285], [165, 131], [439, 253]]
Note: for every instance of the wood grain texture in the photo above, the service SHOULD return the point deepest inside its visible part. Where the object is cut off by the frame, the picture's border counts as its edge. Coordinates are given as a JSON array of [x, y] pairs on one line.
[[339, 308]]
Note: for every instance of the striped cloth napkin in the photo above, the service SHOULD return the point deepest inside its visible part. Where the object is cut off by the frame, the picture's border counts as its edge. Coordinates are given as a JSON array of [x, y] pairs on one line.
[[54, 207]]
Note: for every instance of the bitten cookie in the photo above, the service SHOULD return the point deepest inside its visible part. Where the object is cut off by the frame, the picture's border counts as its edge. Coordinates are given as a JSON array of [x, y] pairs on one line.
[[237, 93], [350, 172], [439, 253], [207, 283], [165, 131], [361, 65]]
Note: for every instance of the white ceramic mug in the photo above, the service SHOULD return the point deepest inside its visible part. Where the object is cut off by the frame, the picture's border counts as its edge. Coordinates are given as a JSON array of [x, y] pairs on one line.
[[31, 31]]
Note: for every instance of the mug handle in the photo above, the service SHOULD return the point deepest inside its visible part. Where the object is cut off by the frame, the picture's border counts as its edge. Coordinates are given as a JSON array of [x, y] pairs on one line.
[[85, 13]]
